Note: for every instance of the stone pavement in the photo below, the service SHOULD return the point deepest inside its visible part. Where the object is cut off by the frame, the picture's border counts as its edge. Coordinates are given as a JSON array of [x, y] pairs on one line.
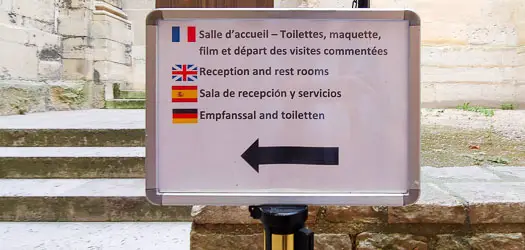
[[94, 235], [444, 188], [81, 119]]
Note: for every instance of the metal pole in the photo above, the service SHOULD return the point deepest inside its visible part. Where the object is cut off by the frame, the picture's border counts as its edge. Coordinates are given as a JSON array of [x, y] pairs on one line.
[[284, 227]]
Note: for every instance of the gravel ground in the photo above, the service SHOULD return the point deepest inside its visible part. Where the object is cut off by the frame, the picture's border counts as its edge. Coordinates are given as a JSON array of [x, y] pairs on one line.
[[507, 123]]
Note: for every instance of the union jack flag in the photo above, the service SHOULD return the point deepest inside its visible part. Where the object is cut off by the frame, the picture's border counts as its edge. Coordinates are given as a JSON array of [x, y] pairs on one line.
[[184, 72]]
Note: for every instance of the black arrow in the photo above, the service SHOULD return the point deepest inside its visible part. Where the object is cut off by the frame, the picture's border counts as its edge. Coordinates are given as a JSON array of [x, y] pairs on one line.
[[256, 155]]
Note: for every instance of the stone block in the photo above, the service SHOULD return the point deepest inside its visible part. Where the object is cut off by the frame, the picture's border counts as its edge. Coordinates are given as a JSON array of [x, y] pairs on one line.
[[7, 17], [288, 3], [480, 241], [16, 34], [138, 81], [139, 52], [200, 241], [457, 174], [451, 242], [332, 242], [112, 28], [233, 215], [25, 36], [22, 97], [68, 96], [49, 70], [41, 10], [75, 22], [137, 18], [438, 74], [351, 214], [373, 241], [492, 202], [18, 61], [6, 5], [45, 39], [452, 94], [470, 56], [514, 75], [50, 53], [78, 4], [142, 4], [513, 241], [520, 95], [105, 71], [513, 173], [434, 206], [115, 3], [77, 48], [428, 93], [222, 215], [108, 50], [77, 69]]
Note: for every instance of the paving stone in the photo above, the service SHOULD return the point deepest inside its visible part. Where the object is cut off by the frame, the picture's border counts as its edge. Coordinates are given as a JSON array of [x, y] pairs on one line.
[[373, 241], [72, 187], [80, 119], [451, 242], [492, 202], [65, 235], [497, 241], [226, 242], [350, 214], [457, 174], [515, 172], [434, 206], [479, 242], [82, 200], [332, 242]]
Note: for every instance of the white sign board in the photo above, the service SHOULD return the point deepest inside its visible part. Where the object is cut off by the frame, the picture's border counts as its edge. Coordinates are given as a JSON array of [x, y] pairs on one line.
[[282, 106]]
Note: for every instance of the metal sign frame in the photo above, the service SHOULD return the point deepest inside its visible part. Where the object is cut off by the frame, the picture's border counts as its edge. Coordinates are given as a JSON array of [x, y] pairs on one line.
[[364, 199]]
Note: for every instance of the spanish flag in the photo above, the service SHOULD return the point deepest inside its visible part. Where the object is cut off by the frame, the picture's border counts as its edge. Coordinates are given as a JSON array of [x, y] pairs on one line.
[[184, 93], [185, 116]]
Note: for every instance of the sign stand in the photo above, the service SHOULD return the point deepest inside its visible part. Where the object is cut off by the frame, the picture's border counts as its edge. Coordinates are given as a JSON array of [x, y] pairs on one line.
[[336, 131], [284, 226]]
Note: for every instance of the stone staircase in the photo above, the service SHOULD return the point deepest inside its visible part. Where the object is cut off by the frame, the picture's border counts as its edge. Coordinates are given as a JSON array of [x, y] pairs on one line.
[[77, 178], [127, 99]]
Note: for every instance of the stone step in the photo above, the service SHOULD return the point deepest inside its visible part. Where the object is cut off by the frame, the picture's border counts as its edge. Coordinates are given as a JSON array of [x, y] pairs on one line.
[[126, 104], [82, 200], [131, 94], [72, 162], [96, 128], [89, 235]]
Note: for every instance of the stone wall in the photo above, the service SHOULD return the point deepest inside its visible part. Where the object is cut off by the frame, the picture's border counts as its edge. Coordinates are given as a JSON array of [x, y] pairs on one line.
[[473, 50], [61, 54], [67, 54], [459, 208], [137, 12]]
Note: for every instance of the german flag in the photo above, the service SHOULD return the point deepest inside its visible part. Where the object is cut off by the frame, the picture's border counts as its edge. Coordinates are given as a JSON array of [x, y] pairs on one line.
[[185, 116], [184, 93]]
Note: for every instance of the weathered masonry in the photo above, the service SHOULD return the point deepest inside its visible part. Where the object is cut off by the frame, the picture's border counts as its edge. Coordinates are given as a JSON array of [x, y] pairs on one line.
[[79, 54]]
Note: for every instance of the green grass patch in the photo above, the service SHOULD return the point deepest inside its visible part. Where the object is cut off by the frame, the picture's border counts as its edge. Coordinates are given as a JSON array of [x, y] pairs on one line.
[[508, 106], [485, 111]]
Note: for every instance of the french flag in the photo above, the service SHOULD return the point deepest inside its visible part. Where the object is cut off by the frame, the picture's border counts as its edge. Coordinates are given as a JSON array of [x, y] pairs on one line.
[[191, 34]]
